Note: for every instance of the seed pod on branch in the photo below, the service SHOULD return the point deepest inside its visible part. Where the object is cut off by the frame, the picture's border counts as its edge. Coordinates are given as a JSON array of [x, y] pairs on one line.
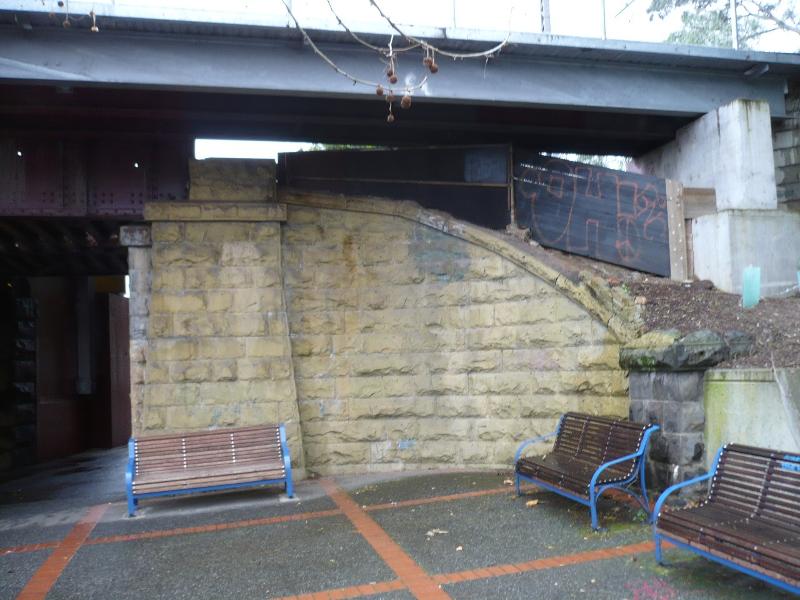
[[434, 68], [406, 101], [379, 90]]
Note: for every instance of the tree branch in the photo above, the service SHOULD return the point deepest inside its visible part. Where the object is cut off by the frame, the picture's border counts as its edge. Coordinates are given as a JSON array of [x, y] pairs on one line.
[[431, 48], [384, 50], [765, 13], [337, 68]]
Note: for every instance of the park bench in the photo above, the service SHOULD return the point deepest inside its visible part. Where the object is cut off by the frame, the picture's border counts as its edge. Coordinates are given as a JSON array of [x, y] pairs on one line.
[[206, 461], [750, 520], [591, 455]]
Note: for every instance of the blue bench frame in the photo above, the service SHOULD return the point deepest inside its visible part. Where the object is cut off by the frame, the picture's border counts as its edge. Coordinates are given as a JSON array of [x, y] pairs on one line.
[[658, 538], [595, 490], [133, 499]]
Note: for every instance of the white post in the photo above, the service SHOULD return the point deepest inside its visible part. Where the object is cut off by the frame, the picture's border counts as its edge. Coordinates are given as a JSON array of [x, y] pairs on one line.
[[734, 25], [603, 8], [545, 7]]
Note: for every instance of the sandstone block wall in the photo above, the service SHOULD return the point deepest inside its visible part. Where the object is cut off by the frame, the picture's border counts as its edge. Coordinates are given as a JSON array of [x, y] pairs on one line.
[[384, 336], [415, 348], [210, 337], [786, 145]]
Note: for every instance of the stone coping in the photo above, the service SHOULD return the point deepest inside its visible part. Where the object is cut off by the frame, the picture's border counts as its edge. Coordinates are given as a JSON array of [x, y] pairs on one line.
[[754, 375], [612, 307], [215, 211]]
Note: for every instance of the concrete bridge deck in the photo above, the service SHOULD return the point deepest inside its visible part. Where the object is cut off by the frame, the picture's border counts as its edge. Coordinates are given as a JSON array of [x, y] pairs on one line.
[[65, 534]]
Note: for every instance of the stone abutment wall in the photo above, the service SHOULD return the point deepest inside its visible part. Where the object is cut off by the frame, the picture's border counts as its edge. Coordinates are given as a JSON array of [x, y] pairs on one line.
[[385, 336]]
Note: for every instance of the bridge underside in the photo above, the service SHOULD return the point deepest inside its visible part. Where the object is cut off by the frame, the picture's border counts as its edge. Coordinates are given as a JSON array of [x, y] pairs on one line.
[[152, 78], [78, 111]]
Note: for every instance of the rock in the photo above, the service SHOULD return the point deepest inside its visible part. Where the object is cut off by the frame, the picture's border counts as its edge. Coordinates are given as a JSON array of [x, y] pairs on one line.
[[705, 284], [640, 300], [740, 343], [654, 350], [665, 350], [704, 348]]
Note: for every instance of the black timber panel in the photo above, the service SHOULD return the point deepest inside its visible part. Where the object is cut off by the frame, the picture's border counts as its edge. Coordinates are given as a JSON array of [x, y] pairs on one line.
[[470, 183], [614, 216]]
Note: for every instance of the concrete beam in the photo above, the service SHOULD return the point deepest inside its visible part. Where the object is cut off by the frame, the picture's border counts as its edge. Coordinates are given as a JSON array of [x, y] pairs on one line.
[[728, 149], [287, 67]]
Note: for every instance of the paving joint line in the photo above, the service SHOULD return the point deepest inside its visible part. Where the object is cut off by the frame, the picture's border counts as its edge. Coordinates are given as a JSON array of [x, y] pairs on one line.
[[46, 575], [539, 564], [410, 573], [159, 533]]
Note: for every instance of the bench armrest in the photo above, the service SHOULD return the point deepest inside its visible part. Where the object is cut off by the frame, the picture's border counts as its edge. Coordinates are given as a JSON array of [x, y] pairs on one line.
[[527, 443], [705, 477], [287, 462], [129, 469], [638, 454]]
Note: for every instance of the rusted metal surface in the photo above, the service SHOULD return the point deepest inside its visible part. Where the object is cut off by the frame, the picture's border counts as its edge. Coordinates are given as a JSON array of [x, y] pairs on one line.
[[55, 246], [613, 216], [98, 178], [119, 369], [59, 415]]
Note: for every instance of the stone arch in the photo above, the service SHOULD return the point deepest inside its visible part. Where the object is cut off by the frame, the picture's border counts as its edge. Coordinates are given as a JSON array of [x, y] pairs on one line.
[[422, 341]]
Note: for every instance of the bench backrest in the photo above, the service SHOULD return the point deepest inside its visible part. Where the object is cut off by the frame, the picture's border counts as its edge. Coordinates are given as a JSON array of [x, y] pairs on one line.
[[597, 440], [759, 481], [207, 449]]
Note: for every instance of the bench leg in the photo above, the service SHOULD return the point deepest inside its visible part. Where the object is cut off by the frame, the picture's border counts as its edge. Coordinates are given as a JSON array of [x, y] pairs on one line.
[[659, 557], [132, 503], [289, 487], [516, 483], [593, 511]]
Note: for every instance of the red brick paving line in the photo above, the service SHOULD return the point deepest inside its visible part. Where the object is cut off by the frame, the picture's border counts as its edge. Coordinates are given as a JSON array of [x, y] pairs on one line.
[[272, 520], [160, 533], [412, 576], [355, 591], [45, 577], [487, 572], [540, 564], [436, 499], [251, 522]]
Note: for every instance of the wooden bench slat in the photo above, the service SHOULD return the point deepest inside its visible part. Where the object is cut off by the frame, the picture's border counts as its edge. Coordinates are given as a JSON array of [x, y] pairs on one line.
[[751, 515], [273, 429], [221, 470], [180, 462], [583, 443], [150, 487]]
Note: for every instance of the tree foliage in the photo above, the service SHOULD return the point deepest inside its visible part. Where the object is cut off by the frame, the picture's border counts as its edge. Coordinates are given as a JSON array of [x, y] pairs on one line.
[[707, 22]]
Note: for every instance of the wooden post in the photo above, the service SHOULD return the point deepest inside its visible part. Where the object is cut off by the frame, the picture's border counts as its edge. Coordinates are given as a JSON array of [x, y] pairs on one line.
[[678, 255]]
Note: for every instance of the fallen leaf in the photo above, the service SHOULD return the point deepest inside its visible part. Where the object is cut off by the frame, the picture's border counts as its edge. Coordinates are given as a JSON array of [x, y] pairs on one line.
[[459, 548], [434, 532], [531, 503]]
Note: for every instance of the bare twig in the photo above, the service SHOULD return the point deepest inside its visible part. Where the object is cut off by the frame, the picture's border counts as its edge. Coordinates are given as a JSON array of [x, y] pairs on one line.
[[381, 49], [430, 47], [337, 68], [766, 13]]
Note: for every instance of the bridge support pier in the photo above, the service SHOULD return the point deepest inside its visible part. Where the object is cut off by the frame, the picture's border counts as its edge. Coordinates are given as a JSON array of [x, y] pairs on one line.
[[730, 150]]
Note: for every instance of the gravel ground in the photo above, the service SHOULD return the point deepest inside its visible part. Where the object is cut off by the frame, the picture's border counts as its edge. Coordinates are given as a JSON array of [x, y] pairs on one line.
[[774, 323]]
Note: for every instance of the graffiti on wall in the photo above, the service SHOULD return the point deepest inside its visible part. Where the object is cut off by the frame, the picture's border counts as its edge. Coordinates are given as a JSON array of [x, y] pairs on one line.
[[613, 216]]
